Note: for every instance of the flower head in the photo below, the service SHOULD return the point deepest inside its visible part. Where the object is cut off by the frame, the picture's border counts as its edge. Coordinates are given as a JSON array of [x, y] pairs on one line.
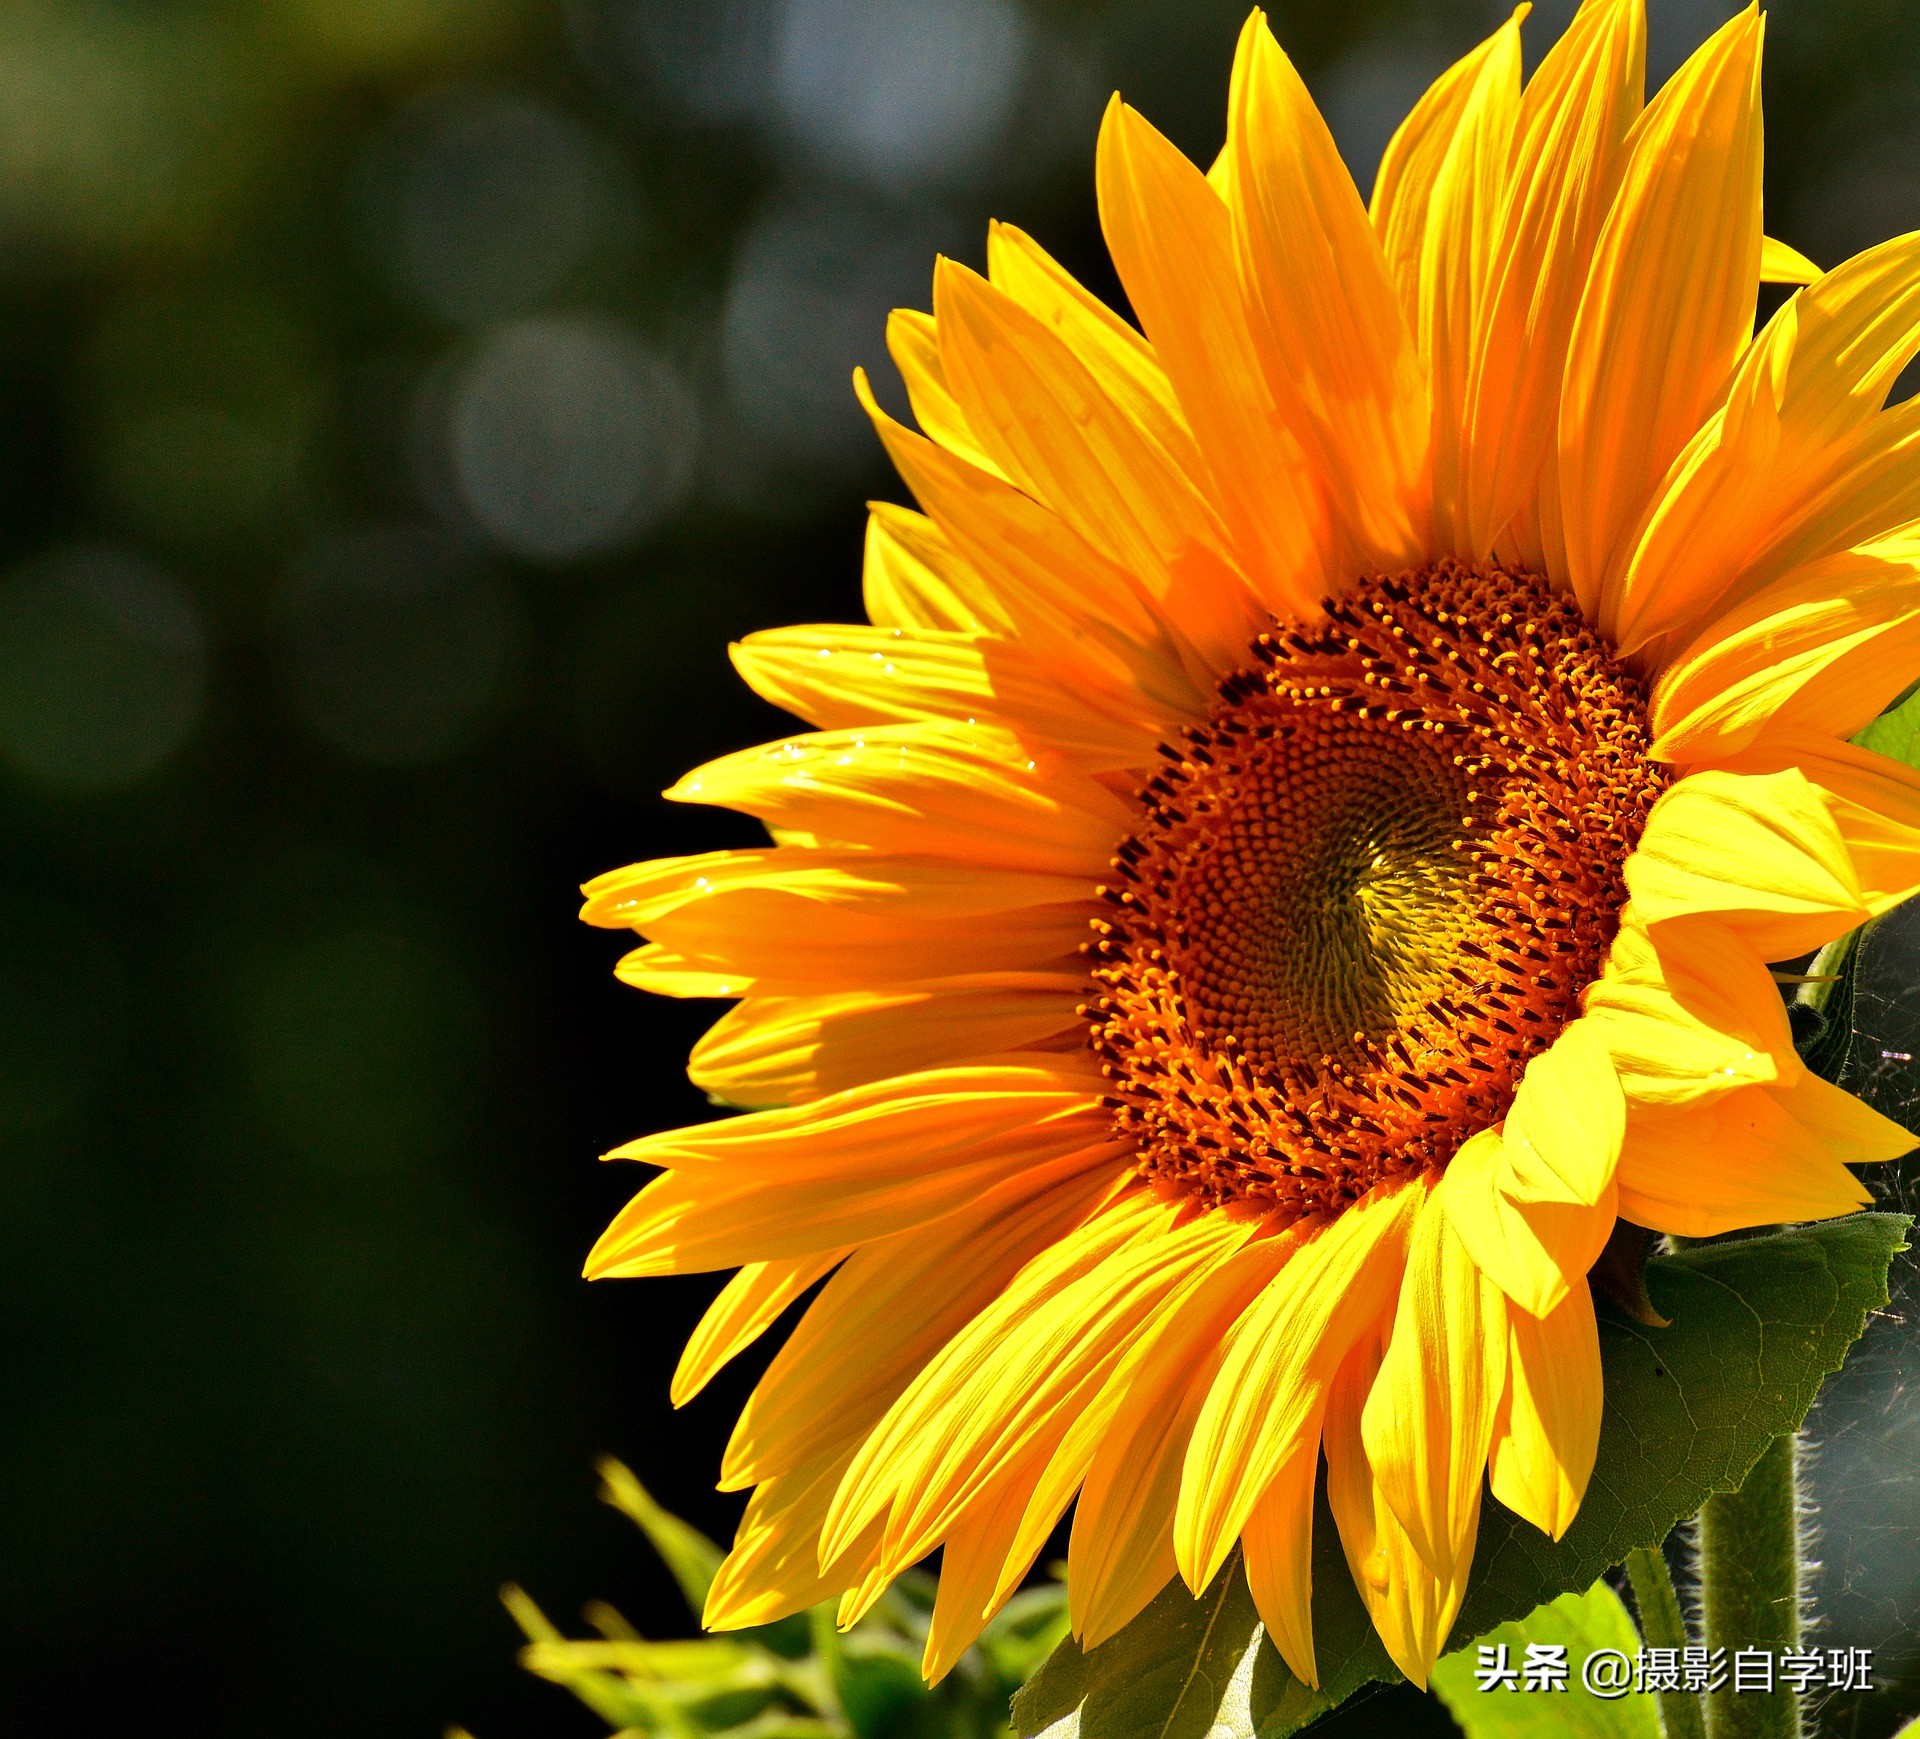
[[1296, 854]]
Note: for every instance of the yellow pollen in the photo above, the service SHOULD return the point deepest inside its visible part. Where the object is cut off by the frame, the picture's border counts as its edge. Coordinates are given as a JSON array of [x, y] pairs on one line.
[[1367, 890]]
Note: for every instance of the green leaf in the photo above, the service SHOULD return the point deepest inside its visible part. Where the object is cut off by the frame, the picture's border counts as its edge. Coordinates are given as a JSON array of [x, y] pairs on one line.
[[1756, 1324], [1582, 1624], [1896, 732], [687, 1552], [881, 1692], [775, 1725], [1163, 1677], [1024, 1632], [1060, 1686], [875, 1672]]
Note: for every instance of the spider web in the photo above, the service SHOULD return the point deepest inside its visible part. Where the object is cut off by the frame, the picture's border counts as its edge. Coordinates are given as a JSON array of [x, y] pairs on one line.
[[1861, 1467]]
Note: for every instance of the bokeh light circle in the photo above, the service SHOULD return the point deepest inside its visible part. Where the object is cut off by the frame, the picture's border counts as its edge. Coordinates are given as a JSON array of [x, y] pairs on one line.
[[569, 437], [706, 61], [813, 281], [479, 204], [901, 93]]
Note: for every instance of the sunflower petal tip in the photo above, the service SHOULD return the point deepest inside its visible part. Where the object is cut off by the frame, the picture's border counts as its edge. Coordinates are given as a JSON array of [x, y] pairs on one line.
[[1297, 1652], [1196, 1557]]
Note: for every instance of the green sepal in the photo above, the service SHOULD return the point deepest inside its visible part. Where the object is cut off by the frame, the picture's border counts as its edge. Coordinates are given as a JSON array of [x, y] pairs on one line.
[[1823, 1011]]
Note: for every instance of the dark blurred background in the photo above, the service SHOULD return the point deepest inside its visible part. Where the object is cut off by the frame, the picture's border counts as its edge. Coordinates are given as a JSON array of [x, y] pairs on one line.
[[402, 403]]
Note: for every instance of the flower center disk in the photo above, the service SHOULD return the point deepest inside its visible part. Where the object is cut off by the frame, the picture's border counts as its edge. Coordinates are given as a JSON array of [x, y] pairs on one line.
[[1368, 890]]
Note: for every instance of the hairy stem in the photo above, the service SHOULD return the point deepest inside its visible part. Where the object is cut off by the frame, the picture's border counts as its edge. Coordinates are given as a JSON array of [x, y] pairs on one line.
[[1750, 1591], [1662, 1627]]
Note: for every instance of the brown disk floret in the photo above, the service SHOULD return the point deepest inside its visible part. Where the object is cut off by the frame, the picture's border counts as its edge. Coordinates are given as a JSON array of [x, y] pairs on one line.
[[1368, 889]]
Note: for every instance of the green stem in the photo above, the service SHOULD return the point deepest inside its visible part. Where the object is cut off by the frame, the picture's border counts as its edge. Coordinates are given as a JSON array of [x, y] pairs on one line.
[[1662, 1627], [1750, 1590]]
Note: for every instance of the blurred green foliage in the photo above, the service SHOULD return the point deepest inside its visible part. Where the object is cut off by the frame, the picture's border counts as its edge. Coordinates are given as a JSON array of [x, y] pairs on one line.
[[402, 403], [798, 1678]]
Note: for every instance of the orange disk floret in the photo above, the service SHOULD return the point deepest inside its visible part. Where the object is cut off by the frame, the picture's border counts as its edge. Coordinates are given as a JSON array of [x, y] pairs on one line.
[[1368, 890]]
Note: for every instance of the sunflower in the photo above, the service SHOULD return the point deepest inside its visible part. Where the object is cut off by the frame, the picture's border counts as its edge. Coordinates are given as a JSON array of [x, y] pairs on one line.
[[1294, 858]]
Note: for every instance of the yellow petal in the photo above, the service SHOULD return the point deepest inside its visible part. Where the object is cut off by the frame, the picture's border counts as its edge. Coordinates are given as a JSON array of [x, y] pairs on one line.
[[749, 1304], [972, 1560], [1121, 360], [861, 1599], [662, 972], [1534, 1251], [1411, 1608], [914, 579], [1847, 1127], [1278, 1547], [1549, 1426], [774, 1568], [1755, 1158], [1688, 1014], [894, 1303], [1875, 803], [628, 897], [683, 1223], [1130, 1445], [952, 789], [1428, 1420], [1760, 852], [890, 1457], [1407, 183], [913, 343], [785, 1050], [792, 1182], [640, 895], [901, 920], [1090, 732], [1780, 264], [1801, 462], [1822, 651], [794, 922], [835, 674], [1563, 1132], [1282, 1354], [1568, 157], [1027, 1364], [1171, 238], [1436, 207], [1115, 479], [1669, 304], [1069, 602], [1326, 322]]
